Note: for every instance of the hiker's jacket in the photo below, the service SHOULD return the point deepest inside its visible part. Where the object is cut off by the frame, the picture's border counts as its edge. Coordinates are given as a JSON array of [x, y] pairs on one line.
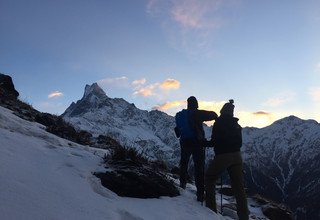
[[196, 118], [226, 135]]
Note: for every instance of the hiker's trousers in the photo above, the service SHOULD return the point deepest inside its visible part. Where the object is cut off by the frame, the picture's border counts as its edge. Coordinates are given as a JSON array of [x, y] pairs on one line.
[[194, 148], [232, 162]]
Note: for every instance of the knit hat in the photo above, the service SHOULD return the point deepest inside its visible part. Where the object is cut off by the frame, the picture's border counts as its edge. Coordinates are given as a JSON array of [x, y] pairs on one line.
[[227, 108], [192, 102]]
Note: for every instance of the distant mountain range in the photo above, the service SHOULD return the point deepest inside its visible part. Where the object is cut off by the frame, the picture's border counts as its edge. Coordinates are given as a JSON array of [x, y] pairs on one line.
[[282, 161]]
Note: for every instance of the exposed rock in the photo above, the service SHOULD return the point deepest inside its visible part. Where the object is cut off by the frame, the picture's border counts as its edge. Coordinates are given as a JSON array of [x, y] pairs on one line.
[[105, 142], [134, 176], [7, 90], [273, 210], [56, 125], [229, 210]]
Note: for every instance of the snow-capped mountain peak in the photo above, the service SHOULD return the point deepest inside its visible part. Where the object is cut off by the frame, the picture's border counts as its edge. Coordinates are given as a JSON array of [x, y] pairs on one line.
[[292, 121], [94, 90], [94, 97]]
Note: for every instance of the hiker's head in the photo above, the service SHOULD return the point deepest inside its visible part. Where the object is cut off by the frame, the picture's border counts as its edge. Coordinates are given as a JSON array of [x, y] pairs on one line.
[[227, 108], [192, 102]]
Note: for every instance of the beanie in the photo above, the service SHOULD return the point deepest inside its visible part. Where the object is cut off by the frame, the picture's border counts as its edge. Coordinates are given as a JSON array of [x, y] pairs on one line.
[[227, 108], [192, 102]]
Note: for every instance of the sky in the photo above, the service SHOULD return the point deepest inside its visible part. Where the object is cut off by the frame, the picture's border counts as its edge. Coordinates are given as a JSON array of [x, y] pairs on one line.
[[47, 177], [156, 53]]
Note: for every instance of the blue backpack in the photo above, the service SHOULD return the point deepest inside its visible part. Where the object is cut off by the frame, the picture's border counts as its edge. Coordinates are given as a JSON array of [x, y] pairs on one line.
[[185, 128]]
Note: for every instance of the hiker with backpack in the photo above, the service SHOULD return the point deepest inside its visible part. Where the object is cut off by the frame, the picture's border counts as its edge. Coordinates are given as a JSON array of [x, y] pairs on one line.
[[189, 128], [227, 140]]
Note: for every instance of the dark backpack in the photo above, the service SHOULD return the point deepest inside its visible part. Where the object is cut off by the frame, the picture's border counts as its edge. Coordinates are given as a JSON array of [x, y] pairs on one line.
[[185, 127]]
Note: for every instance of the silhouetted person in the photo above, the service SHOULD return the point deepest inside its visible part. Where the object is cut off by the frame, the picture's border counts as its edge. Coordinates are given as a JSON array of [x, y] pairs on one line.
[[227, 141], [192, 138]]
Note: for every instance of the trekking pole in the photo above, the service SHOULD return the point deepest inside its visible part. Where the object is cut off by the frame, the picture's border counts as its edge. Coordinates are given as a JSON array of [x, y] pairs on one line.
[[203, 171], [221, 194]]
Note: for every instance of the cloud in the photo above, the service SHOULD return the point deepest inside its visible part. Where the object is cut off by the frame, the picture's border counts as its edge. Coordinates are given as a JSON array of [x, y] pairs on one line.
[[315, 93], [261, 113], [122, 81], [261, 119], [211, 105], [195, 14], [191, 25], [280, 100], [139, 82], [256, 119], [147, 91], [169, 105], [170, 84], [55, 94], [188, 14], [157, 89]]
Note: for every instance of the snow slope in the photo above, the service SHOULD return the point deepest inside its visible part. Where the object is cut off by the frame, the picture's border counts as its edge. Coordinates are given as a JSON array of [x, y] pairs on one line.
[[46, 177]]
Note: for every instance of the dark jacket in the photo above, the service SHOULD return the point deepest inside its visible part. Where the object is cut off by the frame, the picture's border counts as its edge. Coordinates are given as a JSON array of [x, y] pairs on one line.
[[201, 116], [197, 119], [226, 135]]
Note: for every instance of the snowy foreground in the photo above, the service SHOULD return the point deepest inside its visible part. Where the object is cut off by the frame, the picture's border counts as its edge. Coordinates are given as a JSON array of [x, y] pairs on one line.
[[43, 176]]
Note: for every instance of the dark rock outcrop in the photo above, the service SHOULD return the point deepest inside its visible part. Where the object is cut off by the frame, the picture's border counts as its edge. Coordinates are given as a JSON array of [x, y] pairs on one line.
[[7, 90], [272, 210], [132, 175]]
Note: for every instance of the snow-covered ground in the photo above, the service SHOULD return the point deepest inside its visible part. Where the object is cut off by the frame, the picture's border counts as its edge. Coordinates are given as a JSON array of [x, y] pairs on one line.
[[46, 177]]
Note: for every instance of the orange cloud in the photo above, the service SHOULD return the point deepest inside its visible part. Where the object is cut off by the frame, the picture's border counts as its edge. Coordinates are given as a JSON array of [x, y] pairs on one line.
[[146, 91], [170, 105], [154, 89], [170, 84], [55, 94]]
